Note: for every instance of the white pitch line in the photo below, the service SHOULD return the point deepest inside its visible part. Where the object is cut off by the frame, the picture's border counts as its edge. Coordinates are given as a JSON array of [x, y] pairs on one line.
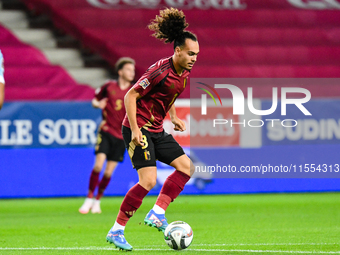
[[270, 251], [57, 248], [157, 249], [264, 244]]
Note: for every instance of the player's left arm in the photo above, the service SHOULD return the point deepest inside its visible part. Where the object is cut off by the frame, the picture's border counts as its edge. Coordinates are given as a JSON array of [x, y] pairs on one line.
[[179, 124]]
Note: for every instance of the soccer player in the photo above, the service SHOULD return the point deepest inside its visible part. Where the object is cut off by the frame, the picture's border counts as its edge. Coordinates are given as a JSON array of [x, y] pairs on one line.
[[2, 81], [110, 144], [147, 104]]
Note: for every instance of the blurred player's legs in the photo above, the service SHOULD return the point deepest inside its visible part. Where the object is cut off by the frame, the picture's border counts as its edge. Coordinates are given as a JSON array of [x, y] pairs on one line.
[[110, 167], [94, 204], [93, 182]]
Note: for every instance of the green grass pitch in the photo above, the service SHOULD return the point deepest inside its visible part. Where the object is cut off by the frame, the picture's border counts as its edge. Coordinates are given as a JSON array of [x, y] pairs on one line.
[[230, 224]]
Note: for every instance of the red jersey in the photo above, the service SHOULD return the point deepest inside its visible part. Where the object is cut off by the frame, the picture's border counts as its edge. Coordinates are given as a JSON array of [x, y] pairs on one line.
[[159, 87], [114, 112]]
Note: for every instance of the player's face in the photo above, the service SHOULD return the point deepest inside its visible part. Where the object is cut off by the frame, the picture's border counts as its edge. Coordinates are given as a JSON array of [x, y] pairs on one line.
[[127, 72], [188, 54]]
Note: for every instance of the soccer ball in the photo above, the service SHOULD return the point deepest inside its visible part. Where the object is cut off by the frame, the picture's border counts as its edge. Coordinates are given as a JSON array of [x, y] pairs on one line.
[[178, 235]]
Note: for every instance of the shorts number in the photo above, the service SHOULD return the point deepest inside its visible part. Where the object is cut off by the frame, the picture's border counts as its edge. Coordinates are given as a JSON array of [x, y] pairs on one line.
[[145, 142], [99, 139]]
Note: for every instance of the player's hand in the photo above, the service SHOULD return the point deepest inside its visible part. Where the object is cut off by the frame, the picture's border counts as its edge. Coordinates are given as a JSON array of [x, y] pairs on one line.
[[137, 137], [179, 124], [102, 103]]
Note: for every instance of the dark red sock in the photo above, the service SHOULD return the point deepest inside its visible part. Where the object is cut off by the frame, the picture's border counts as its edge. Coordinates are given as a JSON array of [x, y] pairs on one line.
[[94, 177], [132, 201], [102, 186], [172, 186]]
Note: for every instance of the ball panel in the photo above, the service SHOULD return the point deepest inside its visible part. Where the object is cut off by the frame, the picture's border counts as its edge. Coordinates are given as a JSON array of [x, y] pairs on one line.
[[174, 244]]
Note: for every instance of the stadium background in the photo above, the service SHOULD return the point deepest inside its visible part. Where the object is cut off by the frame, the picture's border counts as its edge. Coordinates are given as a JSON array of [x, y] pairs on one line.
[[48, 127]]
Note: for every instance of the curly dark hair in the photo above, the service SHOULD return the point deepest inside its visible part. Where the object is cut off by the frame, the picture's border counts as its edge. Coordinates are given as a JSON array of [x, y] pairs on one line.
[[170, 26]]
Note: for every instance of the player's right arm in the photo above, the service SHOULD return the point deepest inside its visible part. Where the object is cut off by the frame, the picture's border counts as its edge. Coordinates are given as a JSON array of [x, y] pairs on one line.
[[130, 101], [101, 104], [100, 98]]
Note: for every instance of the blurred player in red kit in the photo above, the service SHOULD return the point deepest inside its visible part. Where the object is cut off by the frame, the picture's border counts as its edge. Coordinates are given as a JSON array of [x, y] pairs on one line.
[[110, 144], [147, 104]]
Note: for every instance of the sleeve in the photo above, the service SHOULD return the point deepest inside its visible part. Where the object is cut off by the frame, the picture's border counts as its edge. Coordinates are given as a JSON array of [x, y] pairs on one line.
[[149, 79], [101, 92], [2, 69]]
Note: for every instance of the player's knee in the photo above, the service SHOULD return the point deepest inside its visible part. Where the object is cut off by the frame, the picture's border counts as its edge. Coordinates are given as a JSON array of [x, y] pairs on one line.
[[108, 174], [108, 171], [192, 169], [152, 183], [97, 168], [148, 183]]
